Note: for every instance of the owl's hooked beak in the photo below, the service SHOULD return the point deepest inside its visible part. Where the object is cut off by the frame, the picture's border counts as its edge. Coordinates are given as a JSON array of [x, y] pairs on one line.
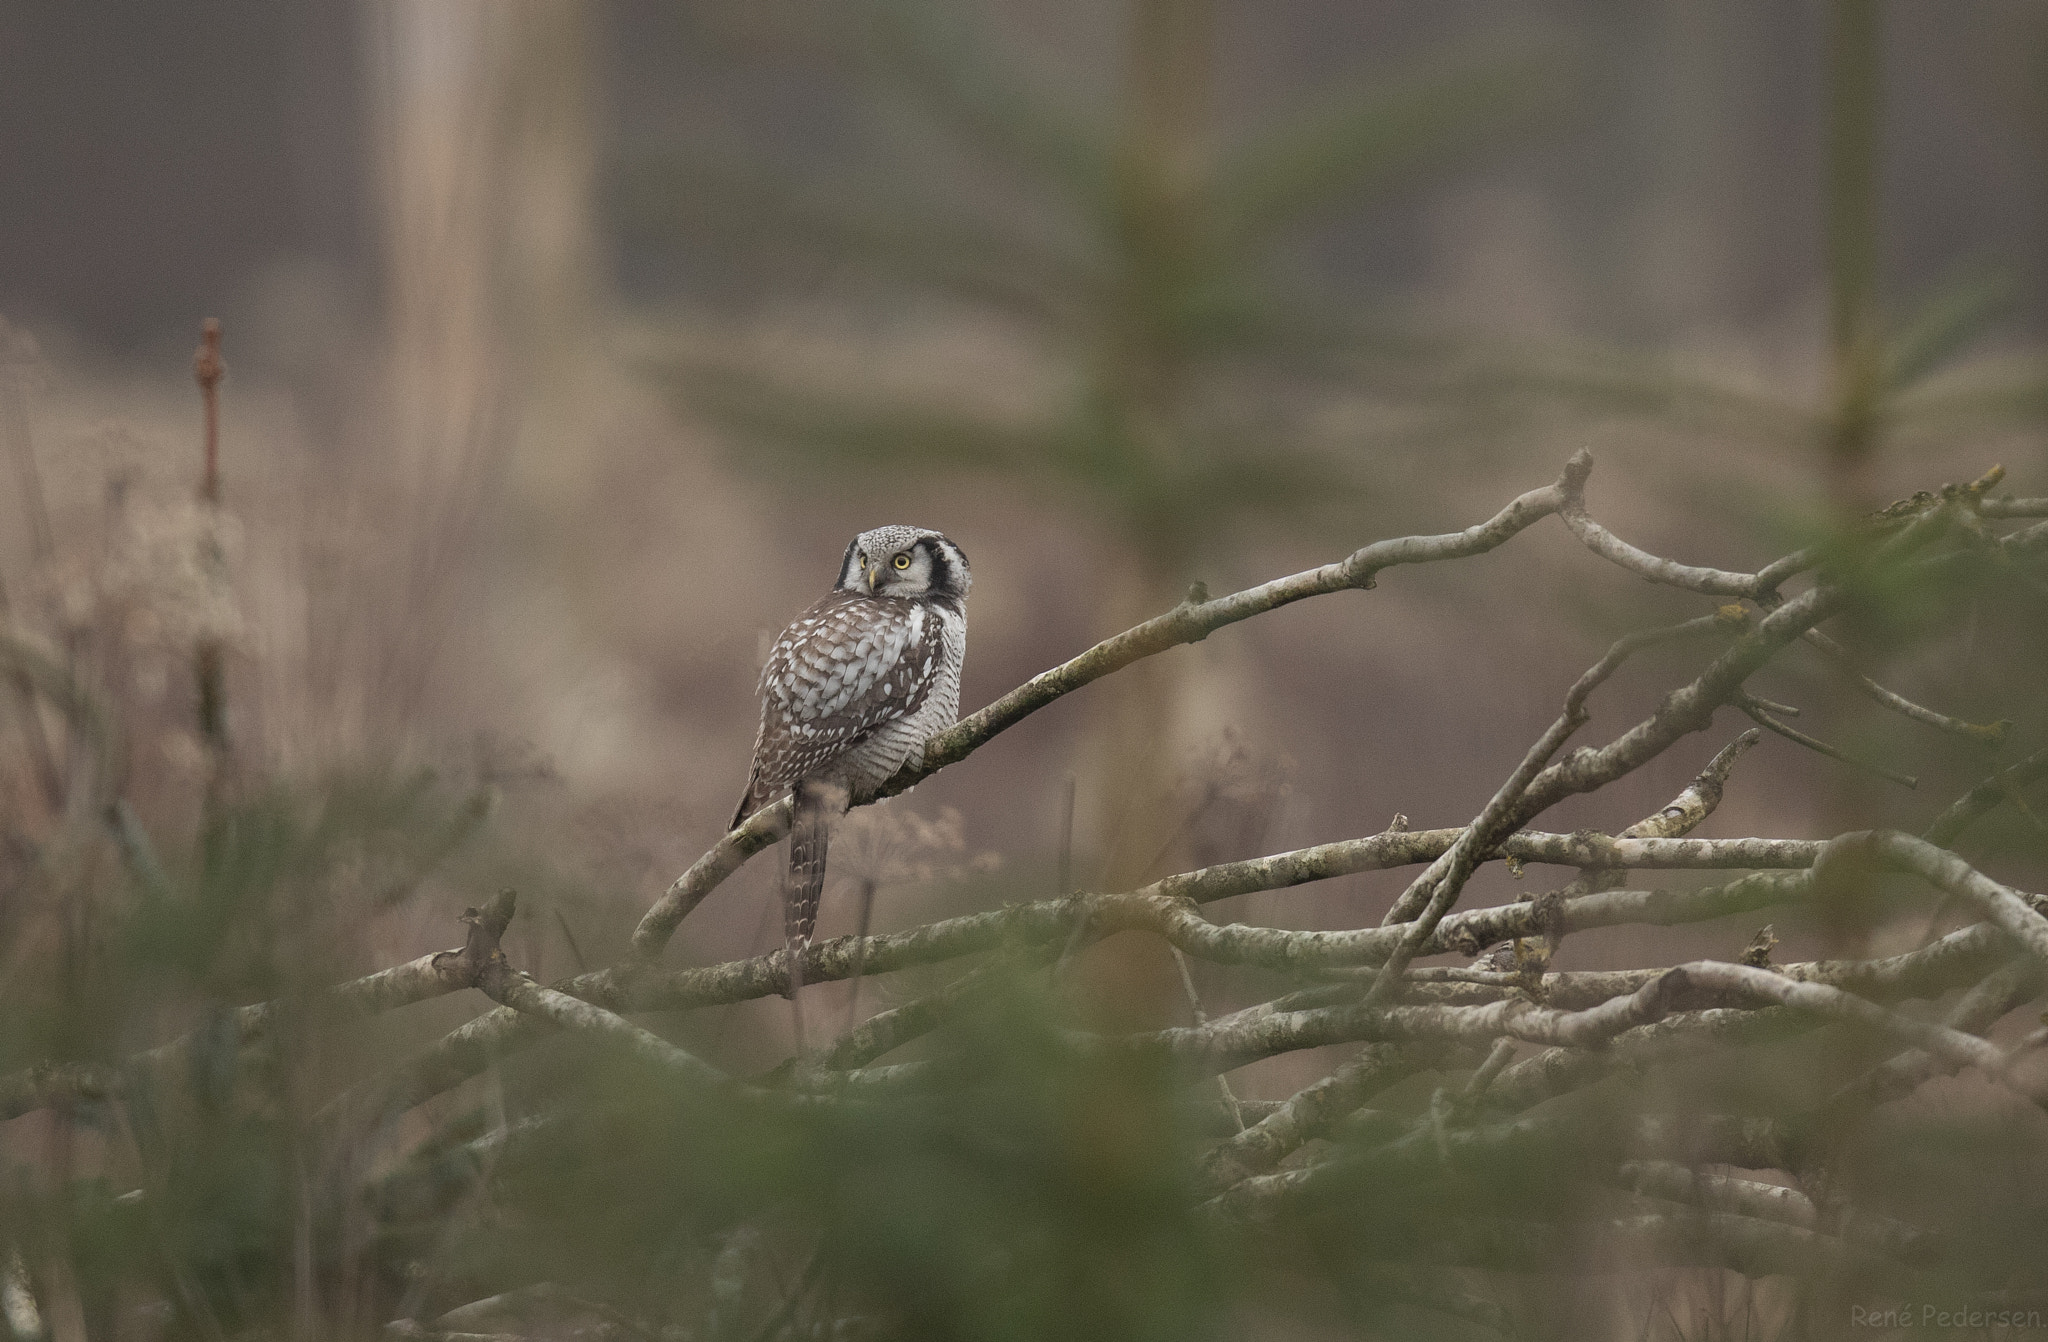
[[874, 576]]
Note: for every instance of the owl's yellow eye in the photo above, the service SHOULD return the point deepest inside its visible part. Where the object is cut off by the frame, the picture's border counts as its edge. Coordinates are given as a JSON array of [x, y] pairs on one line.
[[902, 561]]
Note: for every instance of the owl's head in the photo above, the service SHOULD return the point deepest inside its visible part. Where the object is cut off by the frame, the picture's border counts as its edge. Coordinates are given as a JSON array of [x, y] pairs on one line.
[[907, 562]]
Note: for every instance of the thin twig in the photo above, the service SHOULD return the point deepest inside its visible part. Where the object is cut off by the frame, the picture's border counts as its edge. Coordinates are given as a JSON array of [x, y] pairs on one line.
[[1755, 709], [1983, 733], [1980, 800], [1187, 983]]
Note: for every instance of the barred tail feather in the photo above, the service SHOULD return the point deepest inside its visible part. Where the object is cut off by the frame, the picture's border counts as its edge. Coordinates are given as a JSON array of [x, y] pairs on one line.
[[809, 833], [817, 807]]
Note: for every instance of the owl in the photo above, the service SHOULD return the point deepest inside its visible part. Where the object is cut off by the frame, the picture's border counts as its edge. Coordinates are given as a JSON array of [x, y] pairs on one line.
[[852, 691]]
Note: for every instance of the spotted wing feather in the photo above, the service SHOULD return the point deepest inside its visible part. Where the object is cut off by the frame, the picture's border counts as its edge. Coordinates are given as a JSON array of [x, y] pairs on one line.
[[847, 667]]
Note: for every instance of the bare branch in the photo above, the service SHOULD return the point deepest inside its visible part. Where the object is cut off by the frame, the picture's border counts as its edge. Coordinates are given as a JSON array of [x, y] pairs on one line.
[[470, 1048], [1748, 1245], [1679, 1183], [1755, 707], [1428, 891], [1770, 1202], [888, 1030], [761, 830], [1312, 1111], [1985, 797], [1963, 956], [488, 970], [1438, 888], [2014, 507], [50, 1085], [1688, 709], [1984, 1005], [2014, 913], [1670, 573], [1586, 1139], [1691, 707], [1232, 1043], [1502, 1054], [1700, 798], [1917, 974], [1760, 984]]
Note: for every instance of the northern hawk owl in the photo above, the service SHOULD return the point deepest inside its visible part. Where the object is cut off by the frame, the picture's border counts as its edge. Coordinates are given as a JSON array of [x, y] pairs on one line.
[[852, 691]]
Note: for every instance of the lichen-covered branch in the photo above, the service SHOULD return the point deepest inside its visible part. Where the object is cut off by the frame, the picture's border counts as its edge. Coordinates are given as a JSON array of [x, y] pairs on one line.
[[2017, 914], [1493, 823], [1669, 572], [1312, 1111], [1698, 799], [1227, 1044], [483, 961]]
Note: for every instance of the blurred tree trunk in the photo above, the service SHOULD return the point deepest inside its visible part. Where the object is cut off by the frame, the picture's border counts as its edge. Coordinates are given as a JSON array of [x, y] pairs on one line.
[[1142, 375], [1852, 424], [484, 156], [1142, 378], [1855, 322]]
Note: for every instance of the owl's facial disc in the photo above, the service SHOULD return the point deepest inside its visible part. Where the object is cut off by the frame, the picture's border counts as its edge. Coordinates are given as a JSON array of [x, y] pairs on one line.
[[904, 572], [906, 562]]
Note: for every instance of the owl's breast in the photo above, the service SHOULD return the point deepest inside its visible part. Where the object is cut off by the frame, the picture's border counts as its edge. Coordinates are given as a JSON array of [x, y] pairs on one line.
[[932, 663]]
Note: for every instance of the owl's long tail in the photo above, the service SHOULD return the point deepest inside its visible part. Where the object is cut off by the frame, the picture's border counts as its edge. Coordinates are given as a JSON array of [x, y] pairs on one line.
[[817, 806]]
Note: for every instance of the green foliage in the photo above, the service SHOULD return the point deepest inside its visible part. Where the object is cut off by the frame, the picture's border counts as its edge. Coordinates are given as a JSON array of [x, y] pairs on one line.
[[1147, 265], [1041, 1195]]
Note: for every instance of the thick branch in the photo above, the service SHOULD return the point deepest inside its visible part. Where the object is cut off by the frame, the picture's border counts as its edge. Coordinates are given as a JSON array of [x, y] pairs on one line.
[[2008, 909], [1705, 982], [483, 962], [1497, 819], [1699, 799], [1311, 1112], [2013, 507], [508, 987], [1688, 709], [1984, 1005], [1588, 1138]]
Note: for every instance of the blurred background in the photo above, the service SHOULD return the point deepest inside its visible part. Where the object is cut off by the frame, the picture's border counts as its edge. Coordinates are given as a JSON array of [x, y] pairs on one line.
[[568, 345]]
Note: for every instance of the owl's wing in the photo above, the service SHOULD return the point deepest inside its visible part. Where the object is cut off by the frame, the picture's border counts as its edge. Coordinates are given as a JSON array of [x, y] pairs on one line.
[[845, 667]]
